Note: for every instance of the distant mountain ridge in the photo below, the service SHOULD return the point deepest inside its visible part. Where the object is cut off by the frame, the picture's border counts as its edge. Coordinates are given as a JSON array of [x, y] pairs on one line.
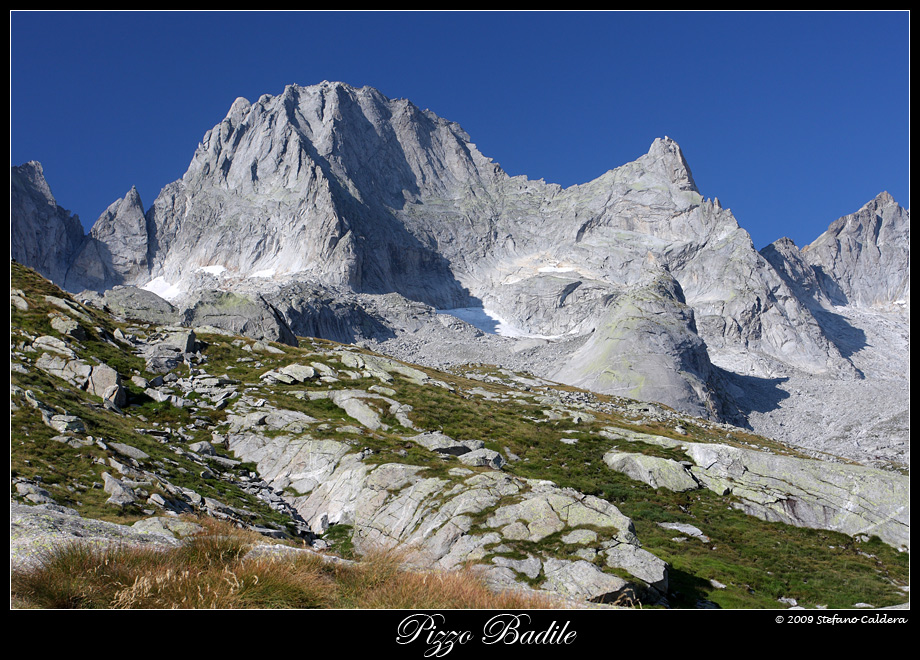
[[326, 201]]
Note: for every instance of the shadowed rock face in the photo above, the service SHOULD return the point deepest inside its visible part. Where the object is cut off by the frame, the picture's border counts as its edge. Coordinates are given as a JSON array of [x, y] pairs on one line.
[[863, 259], [115, 252], [252, 317], [308, 183], [43, 235], [304, 199], [134, 303], [796, 272]]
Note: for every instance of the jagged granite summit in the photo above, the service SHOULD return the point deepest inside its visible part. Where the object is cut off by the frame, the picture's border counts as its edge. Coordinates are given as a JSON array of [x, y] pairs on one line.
[[863, 259], [356, 217], [42, 234]]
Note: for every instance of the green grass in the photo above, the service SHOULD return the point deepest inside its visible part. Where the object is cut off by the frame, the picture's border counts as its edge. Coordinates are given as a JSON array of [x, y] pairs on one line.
[[759, 561], [340, 538]]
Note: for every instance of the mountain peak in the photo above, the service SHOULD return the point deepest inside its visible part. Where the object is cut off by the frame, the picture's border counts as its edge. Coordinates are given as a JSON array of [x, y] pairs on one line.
[[32, 165], [43, 235], [884, 198], [238, 109], [864, 258], [34, 174], [667, 154]]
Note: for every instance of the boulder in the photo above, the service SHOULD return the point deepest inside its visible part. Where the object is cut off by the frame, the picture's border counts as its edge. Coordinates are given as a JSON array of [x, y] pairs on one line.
[[33, 529], [652, 470], [583, 580], [121, 495], [483, 458], [639, 563], [442, 444], [105, 382], [246, 315], [129, 451], [139, 304]]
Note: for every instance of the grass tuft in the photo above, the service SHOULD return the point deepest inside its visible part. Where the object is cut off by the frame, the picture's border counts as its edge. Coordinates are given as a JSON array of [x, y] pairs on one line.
[[211, 571]]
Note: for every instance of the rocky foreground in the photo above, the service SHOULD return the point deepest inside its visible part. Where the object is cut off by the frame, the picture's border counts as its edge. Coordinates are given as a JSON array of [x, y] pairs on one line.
[[346, 451]]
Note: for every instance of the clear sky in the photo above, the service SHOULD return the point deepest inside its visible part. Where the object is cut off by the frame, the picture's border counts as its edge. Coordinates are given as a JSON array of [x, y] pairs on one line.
[[791, 119]]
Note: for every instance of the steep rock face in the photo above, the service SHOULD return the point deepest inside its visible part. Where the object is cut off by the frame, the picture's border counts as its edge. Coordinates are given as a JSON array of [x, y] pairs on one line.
[[597, 236], [797, 273], [748, 312], [115, 252], [855, 278], [283, 187], [43, 235], [863, 259]]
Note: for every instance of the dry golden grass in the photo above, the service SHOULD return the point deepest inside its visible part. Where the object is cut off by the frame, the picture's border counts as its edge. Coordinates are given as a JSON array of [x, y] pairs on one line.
[[381, 581], [440, 590], [211, 571]]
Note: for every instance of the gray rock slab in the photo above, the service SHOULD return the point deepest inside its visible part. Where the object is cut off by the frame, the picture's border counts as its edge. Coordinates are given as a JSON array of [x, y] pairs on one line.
[[483, 458], [852, 499], [34, 529], [655, 471], [684, 528], [581, 579], [120, 494], [639, 563], [443, 444], [128, 450]]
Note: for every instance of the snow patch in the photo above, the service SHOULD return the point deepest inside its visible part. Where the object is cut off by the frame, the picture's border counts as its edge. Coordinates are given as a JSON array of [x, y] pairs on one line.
[[212, 270], [555, 269], [268, 272], [163, 288], [476, 317], [490, 322]]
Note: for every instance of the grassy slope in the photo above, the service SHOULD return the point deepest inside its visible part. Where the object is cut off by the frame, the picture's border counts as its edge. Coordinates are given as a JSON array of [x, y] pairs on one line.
[[758, 562]]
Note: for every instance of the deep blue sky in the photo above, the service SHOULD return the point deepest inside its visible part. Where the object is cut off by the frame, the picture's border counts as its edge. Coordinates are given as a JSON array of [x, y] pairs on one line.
[[790, 119]]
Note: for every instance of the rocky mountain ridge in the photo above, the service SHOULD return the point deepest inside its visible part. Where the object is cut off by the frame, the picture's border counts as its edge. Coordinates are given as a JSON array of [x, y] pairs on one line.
[[341, 213]]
